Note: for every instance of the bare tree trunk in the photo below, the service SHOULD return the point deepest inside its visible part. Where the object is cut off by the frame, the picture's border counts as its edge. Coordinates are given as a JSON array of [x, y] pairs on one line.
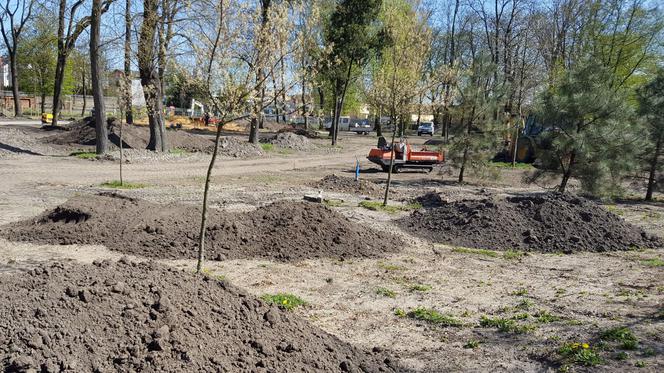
[[127, 63], [653, 168], [18, 110], [150, 78], [389, 170], [42, 106], [85, 100], [568, 173], [100, 113], [201, 239]]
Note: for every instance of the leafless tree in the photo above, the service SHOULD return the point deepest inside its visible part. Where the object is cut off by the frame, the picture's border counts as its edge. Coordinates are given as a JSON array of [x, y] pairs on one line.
[[15, 15]]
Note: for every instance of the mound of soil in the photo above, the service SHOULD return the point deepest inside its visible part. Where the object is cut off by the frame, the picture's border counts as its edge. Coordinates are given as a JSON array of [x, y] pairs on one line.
[[16, 141], [290, 140], [342, 184], [129, 316], [82, 132], [239, 148], [545, 222], [309, 133], [282, 231], [430, 200]]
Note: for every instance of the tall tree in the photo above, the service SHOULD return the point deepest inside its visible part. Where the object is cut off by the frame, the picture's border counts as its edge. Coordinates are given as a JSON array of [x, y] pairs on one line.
[[651, 108], [15, 15], [127, 64], [69, 29], [352, 36], [101, 129], [148, 70]]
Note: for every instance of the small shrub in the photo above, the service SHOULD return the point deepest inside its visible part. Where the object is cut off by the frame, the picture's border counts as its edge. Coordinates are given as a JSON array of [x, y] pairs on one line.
[[125, 185], [283, 300], [433, 316], [386, 292]]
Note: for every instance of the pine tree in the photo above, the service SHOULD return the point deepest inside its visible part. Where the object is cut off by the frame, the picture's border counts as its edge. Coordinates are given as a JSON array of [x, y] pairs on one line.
[[651, 108]]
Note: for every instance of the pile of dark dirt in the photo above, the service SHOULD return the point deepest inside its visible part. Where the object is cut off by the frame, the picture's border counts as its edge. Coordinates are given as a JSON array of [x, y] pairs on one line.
[[545, 222], [309, 133], [82, 132], [129, 316], [282, 231], [342, 184], [430, 200], [290, 140]]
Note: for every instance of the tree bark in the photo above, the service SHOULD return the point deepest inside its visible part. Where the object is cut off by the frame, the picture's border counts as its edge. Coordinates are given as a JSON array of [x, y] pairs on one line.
[[18, 110], [100, 114], [568, 173], [653, 168], [127, 64], [149, 76], [85, 100]]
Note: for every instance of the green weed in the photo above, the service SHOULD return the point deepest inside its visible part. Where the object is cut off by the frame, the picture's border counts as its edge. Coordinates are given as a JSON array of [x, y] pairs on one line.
[[622, 335], [580, 353], [267, 147], [518, 165], [525, 304], [178, 151], [420, 287], [433, 316], [125, 185], [505, 325], [473, 343], [513, 255], [390, 267], [466, 250], [284, 300], [386, 292], [398, 312], [544, 317], [520, 292], [390, 209], [654, 262], [640, 364], [83, 155]]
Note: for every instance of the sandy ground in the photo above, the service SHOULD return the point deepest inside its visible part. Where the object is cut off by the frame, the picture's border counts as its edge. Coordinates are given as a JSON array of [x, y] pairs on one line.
[[584, 294]]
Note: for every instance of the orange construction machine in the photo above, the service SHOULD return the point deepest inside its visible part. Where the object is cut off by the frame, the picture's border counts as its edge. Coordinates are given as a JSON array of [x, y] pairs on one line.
[[404, 157]]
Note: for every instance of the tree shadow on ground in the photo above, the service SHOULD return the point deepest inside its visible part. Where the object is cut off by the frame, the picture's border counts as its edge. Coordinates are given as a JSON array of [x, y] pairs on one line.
[[17, 150]]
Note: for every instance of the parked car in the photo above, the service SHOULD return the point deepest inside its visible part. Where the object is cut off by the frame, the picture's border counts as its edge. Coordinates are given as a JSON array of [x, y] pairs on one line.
[[361, 127], [425, 128]]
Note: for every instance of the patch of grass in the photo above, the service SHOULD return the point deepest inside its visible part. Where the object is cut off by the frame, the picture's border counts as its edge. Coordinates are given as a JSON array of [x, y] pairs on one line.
[[125, 185], [519, 165], [580, 353], [505, 325], [654, 262], [390, 209], [513, 255], [178, 151], [622, 335], [386, 292], [390, 266], [544, 317], [267, 147], [398, 312], [614, 210], [622, 355], [466, 250], [520, 316], [83, 155], [333, 202], [520, 292], [525, 304], [420, 287], [473, 343], [640, 364], [433, 316], [284, 300]]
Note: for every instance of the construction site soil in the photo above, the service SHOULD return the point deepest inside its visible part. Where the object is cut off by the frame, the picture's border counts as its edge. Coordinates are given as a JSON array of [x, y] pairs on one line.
[[129, 316], [290, 140], [342, 184], [548, 222], [280, 231]]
